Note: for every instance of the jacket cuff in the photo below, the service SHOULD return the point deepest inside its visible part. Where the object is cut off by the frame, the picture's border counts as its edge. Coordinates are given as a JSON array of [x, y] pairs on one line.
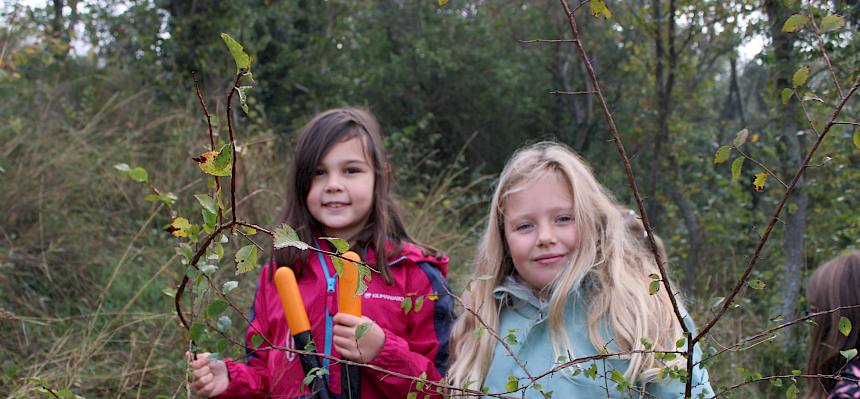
[[393, 350], [235, 388]]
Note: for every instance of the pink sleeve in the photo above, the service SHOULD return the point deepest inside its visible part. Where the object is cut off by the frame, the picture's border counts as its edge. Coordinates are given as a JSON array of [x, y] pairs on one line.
[[425, 348], [251, 379]]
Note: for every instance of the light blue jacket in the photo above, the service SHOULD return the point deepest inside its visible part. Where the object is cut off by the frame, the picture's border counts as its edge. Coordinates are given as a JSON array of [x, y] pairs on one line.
[[525, 317]]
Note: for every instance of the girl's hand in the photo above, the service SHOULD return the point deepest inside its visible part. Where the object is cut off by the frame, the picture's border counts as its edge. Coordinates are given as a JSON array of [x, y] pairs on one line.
[[210, 376], [361, 350]]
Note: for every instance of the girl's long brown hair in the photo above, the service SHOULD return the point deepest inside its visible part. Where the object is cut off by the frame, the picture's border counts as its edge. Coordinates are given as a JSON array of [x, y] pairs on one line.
[[834, 284], [315, 139]]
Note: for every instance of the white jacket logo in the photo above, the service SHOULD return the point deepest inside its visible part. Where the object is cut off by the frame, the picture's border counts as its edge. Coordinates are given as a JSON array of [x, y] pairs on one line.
[[373, 295]]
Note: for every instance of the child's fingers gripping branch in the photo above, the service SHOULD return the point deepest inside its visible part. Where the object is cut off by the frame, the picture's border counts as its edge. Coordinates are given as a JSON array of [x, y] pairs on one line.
[[354, 345], [210, 376]]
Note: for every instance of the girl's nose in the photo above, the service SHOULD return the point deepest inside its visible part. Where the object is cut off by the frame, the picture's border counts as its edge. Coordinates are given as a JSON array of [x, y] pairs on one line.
[[545, 236], [333, 184]]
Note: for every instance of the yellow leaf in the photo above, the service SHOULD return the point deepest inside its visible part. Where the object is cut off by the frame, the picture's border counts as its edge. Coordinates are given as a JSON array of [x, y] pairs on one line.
[[442, 3], [179, 227], [598, 8], [759, 181]]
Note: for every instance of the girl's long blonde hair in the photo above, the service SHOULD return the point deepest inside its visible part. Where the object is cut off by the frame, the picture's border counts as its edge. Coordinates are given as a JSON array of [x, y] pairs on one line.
[[610, 257]]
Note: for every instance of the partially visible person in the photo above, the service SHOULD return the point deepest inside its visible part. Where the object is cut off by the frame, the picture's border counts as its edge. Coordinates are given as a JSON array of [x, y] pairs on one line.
[[834, 284]]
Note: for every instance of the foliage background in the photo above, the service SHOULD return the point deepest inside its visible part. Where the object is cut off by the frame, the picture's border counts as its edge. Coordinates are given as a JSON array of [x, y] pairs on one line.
[[89, 84]]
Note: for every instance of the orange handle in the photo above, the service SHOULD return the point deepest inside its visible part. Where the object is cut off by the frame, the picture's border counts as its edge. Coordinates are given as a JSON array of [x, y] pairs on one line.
[[347, 284], [291, 300]]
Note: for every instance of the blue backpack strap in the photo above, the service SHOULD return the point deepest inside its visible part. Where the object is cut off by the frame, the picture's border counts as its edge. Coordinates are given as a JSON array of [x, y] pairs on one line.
[[443, 318]]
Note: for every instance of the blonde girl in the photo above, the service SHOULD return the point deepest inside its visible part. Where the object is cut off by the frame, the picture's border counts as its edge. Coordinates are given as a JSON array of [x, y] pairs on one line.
[[569, 279]]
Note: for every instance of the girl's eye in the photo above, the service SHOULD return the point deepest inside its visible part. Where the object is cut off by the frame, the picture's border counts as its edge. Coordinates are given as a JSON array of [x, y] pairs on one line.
[[318, 172], [564, 219], [523, 227], [351, 171]]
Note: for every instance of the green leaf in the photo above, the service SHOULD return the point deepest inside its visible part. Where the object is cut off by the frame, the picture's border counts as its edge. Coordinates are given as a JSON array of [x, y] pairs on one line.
[[653, 287], [511, 336], [66, 393], [844, 326], [207, 203], [243, 61], [340, 245], [246, 259], [786, 95], [794, 23], [679, 343], [229, 286], [419, 385], [857, 139], [138, 174], [412, 395], [722, 154], [249, 231], [737, 164], [796, 372], [406, 305], [215, 308], [256, 340], [741, 137], [756, 284], [479, 331], [362, 329], [791, 392], [338, 265], [832, 22], [285, 236], [760, 181], [221, 345], [196, 331], [800, 77], [419, 303], [849, 354], [591, 372], [513, 384], [171, 292]]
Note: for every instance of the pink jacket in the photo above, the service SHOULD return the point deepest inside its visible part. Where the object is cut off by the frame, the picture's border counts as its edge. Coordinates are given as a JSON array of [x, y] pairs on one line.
[[415, 342]]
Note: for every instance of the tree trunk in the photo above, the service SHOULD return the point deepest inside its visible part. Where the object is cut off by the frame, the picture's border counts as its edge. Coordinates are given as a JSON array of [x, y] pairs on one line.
[[786, 123]]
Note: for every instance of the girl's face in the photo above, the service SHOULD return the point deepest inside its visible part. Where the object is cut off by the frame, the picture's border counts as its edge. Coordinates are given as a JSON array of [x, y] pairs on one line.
[[341, 193], [540, 230]]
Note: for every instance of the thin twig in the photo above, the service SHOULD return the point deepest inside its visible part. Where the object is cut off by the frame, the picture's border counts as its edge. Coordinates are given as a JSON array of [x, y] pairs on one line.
[[775, 377], [572, 92], [823, 51], [546, 41], [767, 332]]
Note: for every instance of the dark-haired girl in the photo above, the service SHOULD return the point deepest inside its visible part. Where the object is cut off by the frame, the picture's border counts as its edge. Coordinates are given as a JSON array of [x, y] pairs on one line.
[[339, 185]]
